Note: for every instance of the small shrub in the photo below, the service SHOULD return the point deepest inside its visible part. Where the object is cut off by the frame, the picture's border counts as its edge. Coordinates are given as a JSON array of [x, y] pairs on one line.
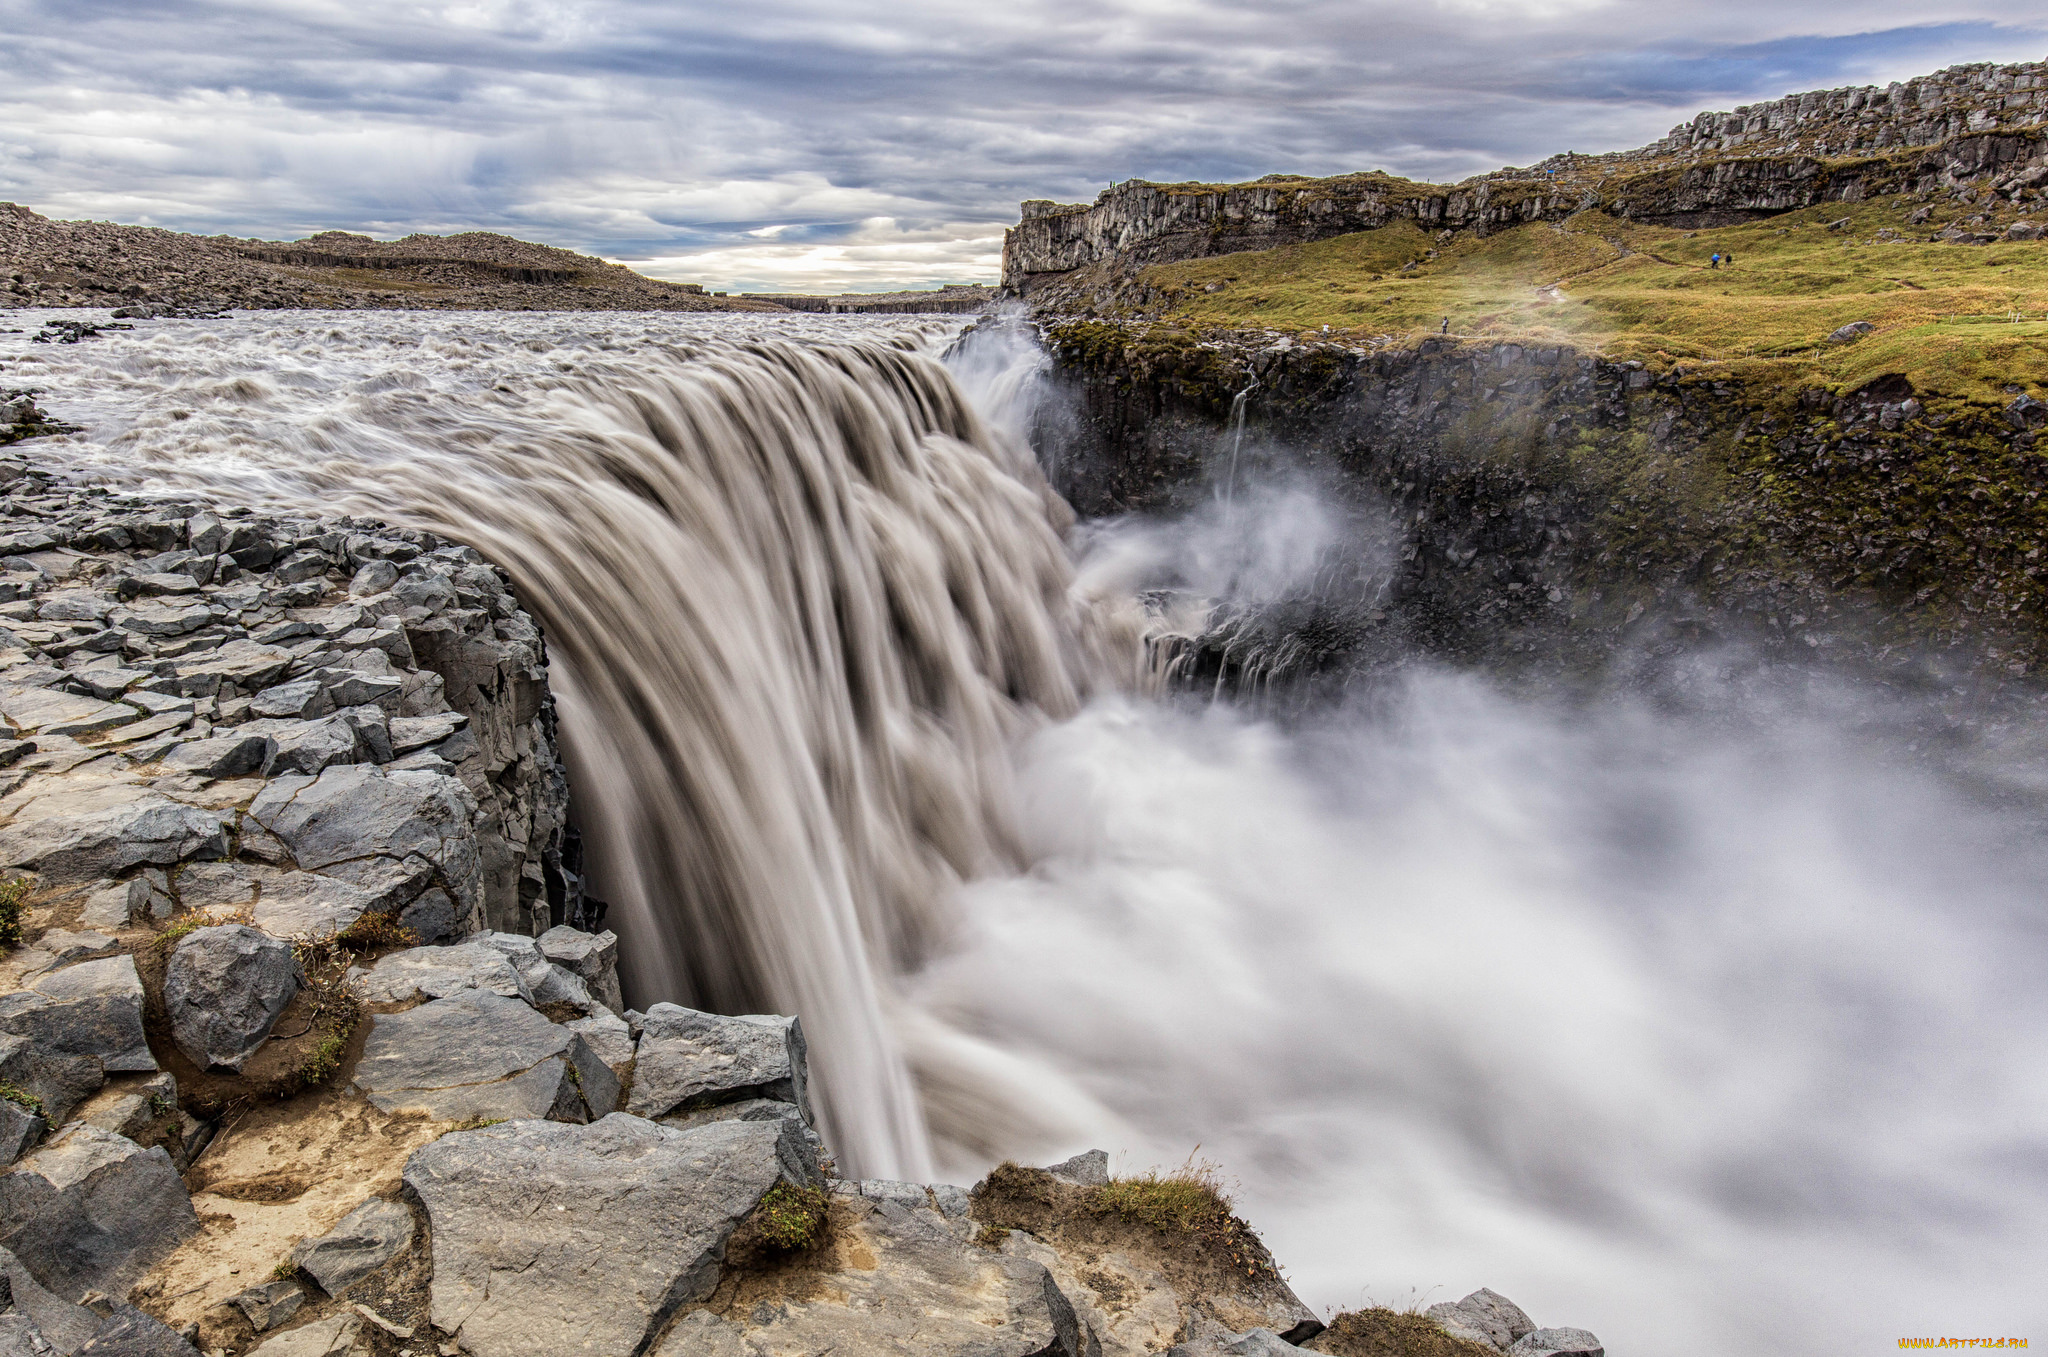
[[21, 1098], [325, 1057], [373, 931], [1381, 1332], [791, 1217], [12, 896]]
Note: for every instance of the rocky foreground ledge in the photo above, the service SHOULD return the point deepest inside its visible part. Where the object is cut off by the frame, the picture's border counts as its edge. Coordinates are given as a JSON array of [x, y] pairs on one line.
[[303, 1054]]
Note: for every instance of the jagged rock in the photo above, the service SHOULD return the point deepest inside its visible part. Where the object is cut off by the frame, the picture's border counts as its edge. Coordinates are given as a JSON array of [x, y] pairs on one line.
[[59, 1082], [20, 1129], [92, 1009], [2027, 413], [65, 1326], [592, 956], [685, 1058], [128, 1332], [373, 578], [417, 732], [1485, 1316], [333, 818], [334, 1336], [1557, 1343], [437, 972], [235, 755], [94, 1210], [478, 1054], [269, 1305], [300, 698], [629, 1217], [1851, 332], [76, 836], [545, 982], [361, 1242], [1090, 1168], [1254, 1342], [929, 1291], [610, 1037], [224, 989]]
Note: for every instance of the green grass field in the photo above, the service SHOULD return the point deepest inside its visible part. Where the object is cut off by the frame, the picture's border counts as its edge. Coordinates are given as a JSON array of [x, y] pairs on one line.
[[1964, 321]]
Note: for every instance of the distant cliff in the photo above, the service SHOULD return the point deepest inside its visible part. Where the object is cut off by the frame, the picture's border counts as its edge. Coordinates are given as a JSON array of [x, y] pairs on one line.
[[1962, 125], [92, 263]]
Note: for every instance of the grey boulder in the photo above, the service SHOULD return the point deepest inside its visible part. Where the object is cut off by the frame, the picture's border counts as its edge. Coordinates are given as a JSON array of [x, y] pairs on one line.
[[482, 1055], [329, 821], [592, 956], [628, 1217], [544, 982], [1485, 1316], [20, 1129], [91, 1009], [361, 1242], [687, 1059], [1090, 1168], [1557, 1343], [927, 1291], [94, 1210], [224, 989]]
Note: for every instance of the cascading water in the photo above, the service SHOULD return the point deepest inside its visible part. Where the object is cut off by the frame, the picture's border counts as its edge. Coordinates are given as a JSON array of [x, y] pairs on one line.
[[800, 601], [1707, 1017]]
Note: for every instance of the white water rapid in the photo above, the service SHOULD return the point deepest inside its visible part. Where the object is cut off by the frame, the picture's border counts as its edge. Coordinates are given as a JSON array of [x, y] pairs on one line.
[[1711, 1020]]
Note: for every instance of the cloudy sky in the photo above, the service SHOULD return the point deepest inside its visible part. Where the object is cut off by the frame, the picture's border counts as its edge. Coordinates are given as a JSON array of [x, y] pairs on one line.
[[804, 144]]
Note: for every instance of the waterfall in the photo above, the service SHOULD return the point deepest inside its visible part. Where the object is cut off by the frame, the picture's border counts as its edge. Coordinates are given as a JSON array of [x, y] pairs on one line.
[[800, 603]]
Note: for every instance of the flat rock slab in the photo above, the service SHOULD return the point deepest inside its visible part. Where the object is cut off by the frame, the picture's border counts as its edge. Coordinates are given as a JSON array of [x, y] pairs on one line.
[[686, 1058], [334, 1336], [361, 1242], [77, 836], [92, 1211], [129, 1332], [48, 711], [476, 1054], [438, 972], [930, 1292], [553, 1238], [93, 1008], [224, 989]]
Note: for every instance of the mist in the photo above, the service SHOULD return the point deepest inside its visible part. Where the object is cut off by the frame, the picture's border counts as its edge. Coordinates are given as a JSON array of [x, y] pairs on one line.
[[1702, 1012]]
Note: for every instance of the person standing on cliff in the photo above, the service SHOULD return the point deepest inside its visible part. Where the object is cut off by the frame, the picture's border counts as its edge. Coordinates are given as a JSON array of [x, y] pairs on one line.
[[1447, 326]]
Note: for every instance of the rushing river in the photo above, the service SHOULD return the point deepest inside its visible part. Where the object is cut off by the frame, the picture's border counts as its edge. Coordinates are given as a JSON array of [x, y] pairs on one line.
[[1710, 1018]]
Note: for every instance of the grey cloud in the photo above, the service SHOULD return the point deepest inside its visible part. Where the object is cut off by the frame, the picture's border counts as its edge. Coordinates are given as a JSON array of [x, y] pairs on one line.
[[892, 139]]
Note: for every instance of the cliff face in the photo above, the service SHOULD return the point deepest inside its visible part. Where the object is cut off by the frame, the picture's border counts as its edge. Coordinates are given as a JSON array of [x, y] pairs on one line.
[[1537, 505], [1961, 125]]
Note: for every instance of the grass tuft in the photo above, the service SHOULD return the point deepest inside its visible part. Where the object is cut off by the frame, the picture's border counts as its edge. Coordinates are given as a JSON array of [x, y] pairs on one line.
[[373, 932], [1189, 1201], [790, 1218], [22, 1098], [1381, 1332], [12, 896]]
